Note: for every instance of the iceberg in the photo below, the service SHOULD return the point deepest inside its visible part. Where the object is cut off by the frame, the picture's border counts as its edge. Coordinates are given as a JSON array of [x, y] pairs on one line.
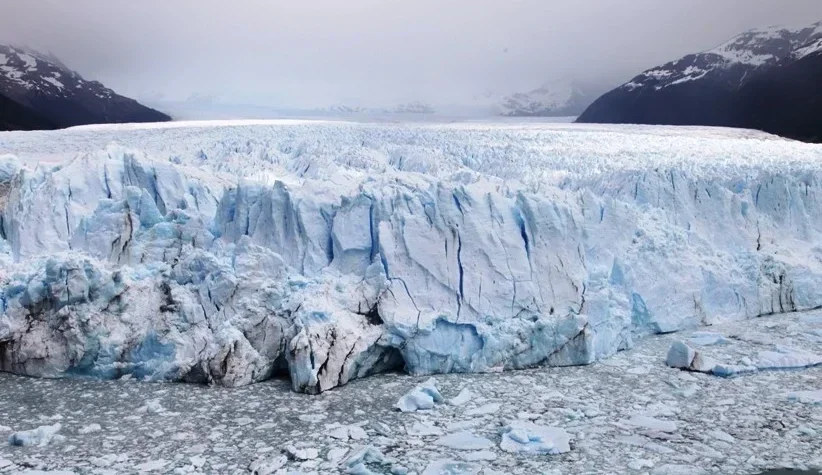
[[421, 397], [781, 357], [40, 436], [529, 438], [227, 253]]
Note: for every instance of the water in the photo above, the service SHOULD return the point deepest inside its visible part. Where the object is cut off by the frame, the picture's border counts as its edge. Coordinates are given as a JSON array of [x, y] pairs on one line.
[[739, 425]]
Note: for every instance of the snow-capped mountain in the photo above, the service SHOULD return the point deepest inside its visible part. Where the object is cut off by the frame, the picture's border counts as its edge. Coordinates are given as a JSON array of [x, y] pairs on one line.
[[39, 91], [556, 99], [706, 88], [732, 61]]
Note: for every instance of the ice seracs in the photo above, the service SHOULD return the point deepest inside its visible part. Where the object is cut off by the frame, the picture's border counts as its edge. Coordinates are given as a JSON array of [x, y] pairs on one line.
[[230, 253]]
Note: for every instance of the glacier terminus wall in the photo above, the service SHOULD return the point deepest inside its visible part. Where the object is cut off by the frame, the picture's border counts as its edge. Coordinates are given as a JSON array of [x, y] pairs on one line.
[[228, 253]]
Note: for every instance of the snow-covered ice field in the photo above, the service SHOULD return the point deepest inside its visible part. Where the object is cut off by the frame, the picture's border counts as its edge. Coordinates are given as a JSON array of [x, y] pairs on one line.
[[630, 414], [321, 253]]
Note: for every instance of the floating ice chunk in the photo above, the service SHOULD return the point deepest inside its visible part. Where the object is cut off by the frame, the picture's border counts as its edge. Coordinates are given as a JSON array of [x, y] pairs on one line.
[[151, 407], [490, 408], [702, 338], [197, 461], [786, 358], [650, 423], [680, 355], [312, 417], [807, 397], [357, 433], [639, 464], [338, 433], [464, 396], [267, 466], [40, 436], [421, 397], [336, 454], [346, 432], [450, 467], [684, 357], [89, 429], [421, 429], [307, 453], [364, 459], [723, 436], [703, 363], [151, 465], [811, 319], [670, 469], [479, 455], [104, 461], [639, 441], [527, 437], [464, 440], [5, 463]]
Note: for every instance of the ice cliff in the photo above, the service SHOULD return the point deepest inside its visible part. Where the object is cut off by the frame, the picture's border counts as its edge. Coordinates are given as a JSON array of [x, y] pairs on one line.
[[229, 253]]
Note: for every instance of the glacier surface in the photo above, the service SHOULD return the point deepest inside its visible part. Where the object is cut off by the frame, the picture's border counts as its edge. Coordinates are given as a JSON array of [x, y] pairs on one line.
[[230, 252]]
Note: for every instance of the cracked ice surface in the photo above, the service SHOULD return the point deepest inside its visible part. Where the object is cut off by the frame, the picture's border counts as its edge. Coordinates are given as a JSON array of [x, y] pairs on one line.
[[681, 422], [230, 252]]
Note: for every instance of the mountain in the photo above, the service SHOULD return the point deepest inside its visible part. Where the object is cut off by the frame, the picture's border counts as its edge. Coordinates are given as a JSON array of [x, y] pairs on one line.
[[415, 107], [720, 86], [38, 91], [15, 116], [786, 100], [557, 99]]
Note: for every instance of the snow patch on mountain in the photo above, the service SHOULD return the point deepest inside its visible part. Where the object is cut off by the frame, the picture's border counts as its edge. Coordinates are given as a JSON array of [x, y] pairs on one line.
[[744, 53]]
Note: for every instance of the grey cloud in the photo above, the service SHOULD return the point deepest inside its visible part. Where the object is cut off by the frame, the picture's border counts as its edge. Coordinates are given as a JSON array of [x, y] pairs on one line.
[[315, 52]]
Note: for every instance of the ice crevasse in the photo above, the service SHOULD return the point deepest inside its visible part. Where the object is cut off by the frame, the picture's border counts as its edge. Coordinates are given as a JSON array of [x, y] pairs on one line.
[[330, 251]]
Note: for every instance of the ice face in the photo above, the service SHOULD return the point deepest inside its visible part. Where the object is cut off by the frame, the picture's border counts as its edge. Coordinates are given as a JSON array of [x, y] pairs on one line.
[[329, 252]]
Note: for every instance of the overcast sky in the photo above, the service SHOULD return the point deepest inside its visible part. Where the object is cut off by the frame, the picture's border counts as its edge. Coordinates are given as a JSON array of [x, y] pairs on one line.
[[316, 52]]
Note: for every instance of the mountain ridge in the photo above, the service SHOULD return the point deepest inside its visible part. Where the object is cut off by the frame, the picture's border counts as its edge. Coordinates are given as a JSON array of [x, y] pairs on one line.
[[41, 92], [715, 87]]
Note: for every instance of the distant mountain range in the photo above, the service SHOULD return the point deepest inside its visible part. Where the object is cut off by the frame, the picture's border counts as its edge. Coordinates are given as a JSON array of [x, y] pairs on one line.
[[37, 91], [555, 99], [768, 79]]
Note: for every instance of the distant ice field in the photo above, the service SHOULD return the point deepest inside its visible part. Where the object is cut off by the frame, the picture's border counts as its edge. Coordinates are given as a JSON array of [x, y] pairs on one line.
[[510, 149]]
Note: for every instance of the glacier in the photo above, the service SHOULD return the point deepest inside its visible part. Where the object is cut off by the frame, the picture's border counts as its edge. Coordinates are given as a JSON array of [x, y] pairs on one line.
[[232, 252]]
